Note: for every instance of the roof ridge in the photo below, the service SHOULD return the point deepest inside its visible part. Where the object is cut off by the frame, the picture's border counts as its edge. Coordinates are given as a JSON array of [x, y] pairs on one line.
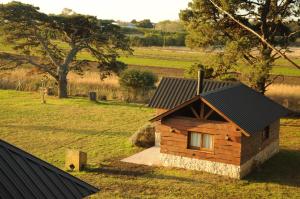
[[212, 80], [45, 164], [222, 89]]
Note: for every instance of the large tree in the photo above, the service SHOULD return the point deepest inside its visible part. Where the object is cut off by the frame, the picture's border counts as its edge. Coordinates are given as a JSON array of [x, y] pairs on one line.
[[212, 23], [52, 42]]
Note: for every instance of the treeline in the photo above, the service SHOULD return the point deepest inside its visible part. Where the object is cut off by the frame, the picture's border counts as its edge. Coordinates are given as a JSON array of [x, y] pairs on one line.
[[158, 39], [164, 33]]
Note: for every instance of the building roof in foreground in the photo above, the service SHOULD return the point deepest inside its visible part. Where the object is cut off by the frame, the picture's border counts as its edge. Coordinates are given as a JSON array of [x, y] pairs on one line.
[[247, 108], [23, 175], [174, 91]]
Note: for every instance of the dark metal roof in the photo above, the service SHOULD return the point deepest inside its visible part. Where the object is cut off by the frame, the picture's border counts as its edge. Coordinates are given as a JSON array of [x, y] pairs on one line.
[[25, 176], [174, 91], [249, 109]]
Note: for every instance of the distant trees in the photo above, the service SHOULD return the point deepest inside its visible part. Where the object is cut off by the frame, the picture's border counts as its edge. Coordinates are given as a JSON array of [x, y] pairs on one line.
[[158, 39], [209, 26], [52, 42], [165, 33], [68, 11], [170, 26], [146, 23]]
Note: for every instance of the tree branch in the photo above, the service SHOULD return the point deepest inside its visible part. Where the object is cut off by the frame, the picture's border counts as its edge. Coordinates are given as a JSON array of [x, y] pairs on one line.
[[256, 34], [70, 57], [46, 48], [19, 60]]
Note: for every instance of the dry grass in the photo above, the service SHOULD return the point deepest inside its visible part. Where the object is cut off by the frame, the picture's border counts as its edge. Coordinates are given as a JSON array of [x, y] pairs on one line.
[[27, 80], [78, 85], [288, 95], [90, 81]]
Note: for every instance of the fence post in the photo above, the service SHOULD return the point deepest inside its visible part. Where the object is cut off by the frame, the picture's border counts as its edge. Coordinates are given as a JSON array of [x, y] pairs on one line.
[[93, 96]]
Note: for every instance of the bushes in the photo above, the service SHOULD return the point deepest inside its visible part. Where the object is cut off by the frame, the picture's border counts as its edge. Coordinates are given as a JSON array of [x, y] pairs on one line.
[[144, 137], [137, 84], [138, 79]]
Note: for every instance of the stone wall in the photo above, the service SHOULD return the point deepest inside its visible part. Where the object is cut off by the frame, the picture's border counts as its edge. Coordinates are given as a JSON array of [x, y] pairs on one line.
[[219, 168], [230, 170]]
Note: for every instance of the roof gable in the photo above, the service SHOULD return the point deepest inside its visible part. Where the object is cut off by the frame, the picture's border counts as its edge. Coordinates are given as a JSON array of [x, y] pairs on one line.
[[173, 110], [174, 91], [26, 176]]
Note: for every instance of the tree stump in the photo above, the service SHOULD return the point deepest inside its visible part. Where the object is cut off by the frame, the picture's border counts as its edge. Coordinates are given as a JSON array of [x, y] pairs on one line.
[[93, 96]]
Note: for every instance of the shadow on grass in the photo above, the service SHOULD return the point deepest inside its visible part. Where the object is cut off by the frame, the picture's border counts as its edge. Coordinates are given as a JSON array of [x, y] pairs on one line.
[[118, 168], [118, 103], [283, 168]]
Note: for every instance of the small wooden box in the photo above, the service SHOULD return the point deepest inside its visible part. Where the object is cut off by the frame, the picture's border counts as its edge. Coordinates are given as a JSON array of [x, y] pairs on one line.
[[75, 160]]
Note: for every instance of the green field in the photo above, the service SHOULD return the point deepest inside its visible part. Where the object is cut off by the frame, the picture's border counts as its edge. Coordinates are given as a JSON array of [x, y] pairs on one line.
[[182, 59], [177, 58], [102, 130]]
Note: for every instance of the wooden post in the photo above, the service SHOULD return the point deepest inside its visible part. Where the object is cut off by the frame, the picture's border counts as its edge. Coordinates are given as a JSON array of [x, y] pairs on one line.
[[93, 96], [285, 103], [75, 160], [43, 91]]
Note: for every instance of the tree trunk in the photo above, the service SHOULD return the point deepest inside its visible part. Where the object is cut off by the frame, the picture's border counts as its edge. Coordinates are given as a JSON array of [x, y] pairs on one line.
[[62, 85], [265, 69]]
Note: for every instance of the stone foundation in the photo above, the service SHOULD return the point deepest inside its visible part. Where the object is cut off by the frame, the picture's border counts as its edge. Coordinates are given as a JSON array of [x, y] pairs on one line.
[[230, 170]]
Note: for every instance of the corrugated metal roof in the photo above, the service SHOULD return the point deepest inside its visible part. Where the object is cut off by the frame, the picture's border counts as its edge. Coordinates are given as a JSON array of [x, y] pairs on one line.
[[174, 91], [246, 107], [25, 176]]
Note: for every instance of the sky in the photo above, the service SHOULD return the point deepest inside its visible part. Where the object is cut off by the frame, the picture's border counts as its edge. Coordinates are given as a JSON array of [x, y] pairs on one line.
[[124, 10]]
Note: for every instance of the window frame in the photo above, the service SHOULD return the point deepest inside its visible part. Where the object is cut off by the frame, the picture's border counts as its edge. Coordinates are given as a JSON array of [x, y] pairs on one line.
[[201, 148]]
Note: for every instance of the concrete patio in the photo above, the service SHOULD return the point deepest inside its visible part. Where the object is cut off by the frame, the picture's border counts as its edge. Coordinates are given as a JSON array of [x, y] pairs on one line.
[[149, 157]]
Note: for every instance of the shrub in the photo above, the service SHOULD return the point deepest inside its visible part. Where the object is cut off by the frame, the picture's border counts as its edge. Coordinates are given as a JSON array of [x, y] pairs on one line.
[[138, 79], [144, 137], [137, 84]]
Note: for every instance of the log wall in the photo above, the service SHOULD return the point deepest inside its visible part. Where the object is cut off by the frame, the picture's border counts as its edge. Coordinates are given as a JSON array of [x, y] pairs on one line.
[[254, 144], [176, 143]]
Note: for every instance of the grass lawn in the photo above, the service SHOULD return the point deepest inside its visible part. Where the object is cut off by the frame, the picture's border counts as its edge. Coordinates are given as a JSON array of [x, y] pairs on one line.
[[103, 129]]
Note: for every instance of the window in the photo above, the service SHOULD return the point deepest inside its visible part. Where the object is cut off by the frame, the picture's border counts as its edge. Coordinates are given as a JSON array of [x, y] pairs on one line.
[[266, 133], [200, 141]]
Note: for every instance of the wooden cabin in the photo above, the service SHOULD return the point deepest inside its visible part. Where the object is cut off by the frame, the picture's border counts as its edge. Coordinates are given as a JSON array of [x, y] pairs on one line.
[[224, 128]]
